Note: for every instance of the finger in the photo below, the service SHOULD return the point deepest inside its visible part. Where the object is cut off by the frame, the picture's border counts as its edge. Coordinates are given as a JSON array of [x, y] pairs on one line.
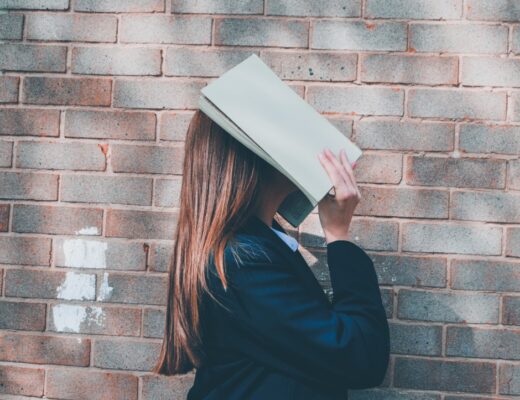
[[347, 166], [332, 157], [345, 162], [335, 176]]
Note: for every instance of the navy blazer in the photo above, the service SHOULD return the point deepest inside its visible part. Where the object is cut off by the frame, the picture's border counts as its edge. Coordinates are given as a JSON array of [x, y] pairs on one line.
[[276, 335]]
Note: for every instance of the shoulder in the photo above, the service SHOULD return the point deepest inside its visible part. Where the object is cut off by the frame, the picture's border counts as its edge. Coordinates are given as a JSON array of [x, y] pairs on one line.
[[244, 251]]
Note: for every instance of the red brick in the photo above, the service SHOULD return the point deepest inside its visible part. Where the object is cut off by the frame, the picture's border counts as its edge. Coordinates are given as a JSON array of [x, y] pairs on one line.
[[25, 250], [402, 202], [9, 89], [456, 172], [57, 220], [81, 384], [67, 91], [141, 224], [87, 319], [4, 217], [40, 349], [29, 122], [511, 310], [23, 381], [23, 316], [147, 159]]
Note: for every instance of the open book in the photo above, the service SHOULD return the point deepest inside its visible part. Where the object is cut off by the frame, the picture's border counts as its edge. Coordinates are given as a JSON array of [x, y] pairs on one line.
[[255, 106]]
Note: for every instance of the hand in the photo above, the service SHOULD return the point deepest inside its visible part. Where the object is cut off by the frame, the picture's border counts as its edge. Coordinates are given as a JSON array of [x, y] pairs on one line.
[[336, 212]]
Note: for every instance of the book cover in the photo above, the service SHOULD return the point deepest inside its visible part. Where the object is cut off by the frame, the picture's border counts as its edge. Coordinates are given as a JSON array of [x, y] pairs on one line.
[[254, 105]]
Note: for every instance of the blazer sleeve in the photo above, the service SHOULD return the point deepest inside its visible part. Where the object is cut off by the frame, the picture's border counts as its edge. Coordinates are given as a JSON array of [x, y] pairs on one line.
[[344, 344]]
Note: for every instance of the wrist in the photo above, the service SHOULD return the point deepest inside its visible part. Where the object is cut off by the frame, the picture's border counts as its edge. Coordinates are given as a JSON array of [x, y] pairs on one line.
[[329, 238]]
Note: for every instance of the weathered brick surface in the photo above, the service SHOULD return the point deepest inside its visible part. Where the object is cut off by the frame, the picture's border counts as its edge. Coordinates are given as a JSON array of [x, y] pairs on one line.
[[414, 9], [4, 217], [25, 250], [392, 68], [165, 29], [140, 224], [513, 242], [80, 384], [110, 124], [73, 318], [153, 323], [167, 192], [453, 38], [174, 125], [57, 220], [60, 155], [486, 206], [458, 238], [456, 172], [403, 202], [11, 26], [356, 100], [67, 27], [22, 380], [489, 138], [112, 60], [156, 386], [126, 355], [416, 339], [29, 122], [358, 35], [185, 61], [44, 349], [490, 71], [22, 316], [99, 254], [6, 153], [106, 189], [157, 94], [322, 66], [96, 97], [34, 4], [28, 186], [42, 284], [497, 10], [118, 6], [460, 376], [33, 58], [457, 104], [147, 159], [132, 289], [511, 310], [218, 7], [397, 135], [461, 307], [9, 89], [482, 342], [67, 91], [509, 379], [275, 32]]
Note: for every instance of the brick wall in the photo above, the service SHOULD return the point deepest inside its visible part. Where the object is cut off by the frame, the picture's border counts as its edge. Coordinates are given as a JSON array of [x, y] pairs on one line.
[[95, 99]]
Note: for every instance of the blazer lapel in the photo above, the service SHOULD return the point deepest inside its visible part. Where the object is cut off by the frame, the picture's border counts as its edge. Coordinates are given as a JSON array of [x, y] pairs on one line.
[[256, 226]]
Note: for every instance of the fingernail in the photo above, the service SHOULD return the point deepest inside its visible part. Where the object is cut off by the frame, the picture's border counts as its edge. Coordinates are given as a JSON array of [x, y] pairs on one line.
[[353, 165]]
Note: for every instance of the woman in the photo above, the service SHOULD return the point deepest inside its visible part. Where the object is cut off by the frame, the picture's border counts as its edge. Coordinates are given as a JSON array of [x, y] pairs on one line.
[[244, 308]]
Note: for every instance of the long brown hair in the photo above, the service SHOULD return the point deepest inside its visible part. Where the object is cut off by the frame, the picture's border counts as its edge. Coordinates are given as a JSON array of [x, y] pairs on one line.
[[220, 186]]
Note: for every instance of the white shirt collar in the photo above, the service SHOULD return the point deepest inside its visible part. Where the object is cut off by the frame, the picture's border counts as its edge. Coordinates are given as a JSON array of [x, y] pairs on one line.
[[291, 242]]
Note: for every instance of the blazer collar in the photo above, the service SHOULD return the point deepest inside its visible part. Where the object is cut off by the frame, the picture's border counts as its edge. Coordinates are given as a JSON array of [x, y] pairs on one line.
[[255, 226]]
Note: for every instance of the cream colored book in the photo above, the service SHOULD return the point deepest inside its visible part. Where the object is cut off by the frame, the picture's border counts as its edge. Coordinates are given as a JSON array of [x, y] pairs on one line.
[[257, 108]]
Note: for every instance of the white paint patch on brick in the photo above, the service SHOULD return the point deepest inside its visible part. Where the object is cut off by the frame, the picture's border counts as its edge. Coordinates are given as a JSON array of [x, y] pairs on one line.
[[69, 317], [105, 290], [89, 230], [80, 253], [77, 286]]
